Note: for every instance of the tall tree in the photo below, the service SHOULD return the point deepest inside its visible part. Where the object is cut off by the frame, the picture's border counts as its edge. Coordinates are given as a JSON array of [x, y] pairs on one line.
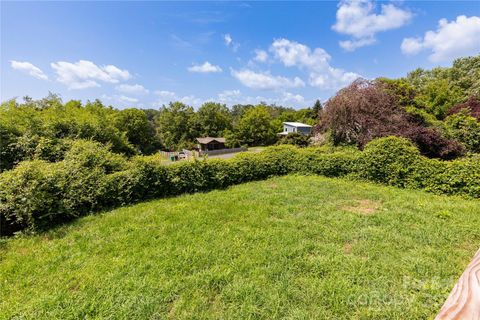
[[176, 125], [138, 129], [212, 119], [317, 109], [256, 128]]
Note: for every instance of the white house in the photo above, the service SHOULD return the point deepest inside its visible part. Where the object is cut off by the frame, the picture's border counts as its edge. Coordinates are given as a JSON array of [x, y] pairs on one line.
[[289, 127]]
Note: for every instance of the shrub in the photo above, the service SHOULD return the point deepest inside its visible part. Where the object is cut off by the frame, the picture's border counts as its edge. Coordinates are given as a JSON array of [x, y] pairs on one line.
[[432, 144], [91, 154], [329, 164], [388, 160], [8, 137], [30, 196], [295, 139], [471, 106], [38, 194], [52, 150], [451, 177]]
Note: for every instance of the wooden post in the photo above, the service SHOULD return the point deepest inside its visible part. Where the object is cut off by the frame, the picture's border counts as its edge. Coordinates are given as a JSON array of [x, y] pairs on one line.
[[464, 300]]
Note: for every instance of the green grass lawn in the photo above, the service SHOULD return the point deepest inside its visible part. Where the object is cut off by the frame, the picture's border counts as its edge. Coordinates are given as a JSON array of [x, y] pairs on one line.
[[292, 248]]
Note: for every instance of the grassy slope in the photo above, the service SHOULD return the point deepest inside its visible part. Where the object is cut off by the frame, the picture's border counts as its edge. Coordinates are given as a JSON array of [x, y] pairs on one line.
[[290, 247]]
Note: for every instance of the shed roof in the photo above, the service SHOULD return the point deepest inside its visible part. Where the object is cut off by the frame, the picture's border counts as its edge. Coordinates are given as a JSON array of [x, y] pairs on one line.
[[297, 124], [206, 140]]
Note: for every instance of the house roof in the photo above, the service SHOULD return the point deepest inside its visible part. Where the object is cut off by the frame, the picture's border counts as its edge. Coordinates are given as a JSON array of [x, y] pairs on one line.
[[206, 140], [297, 124]]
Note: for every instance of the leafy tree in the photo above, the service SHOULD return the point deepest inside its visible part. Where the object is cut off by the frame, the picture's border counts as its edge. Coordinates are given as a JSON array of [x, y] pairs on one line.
[[238, 110], [437, 97], [437, 90], [361, 112], [307, 116], [139, 131], [152, 114], [464, 128], [212, 119], [403, 91], [47, 120], [231, 139], [8, 137], [176, 125], [367, 109], [465, 74], [255, 127]]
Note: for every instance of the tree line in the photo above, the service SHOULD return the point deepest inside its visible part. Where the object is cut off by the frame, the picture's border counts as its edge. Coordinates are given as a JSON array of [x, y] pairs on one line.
[[45, 128]]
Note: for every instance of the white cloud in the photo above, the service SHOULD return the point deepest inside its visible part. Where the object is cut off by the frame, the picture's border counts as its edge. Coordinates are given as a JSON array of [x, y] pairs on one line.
[[231, 97], [165, 93], [166, 97], [127, 99], [228, 39], [316, 62], [412, 46], [29, 68], [85, 74], [287, 97], [132, 89], [292, 53], [230, 43], [260, 55], [352, 45], [121, 100], [191, 100], [226, 95], [206, 67], [358, 19], [451, 40], [265, 81]]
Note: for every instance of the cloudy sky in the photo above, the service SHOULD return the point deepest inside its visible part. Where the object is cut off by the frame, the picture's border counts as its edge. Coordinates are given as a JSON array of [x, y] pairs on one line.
[[290, 53]]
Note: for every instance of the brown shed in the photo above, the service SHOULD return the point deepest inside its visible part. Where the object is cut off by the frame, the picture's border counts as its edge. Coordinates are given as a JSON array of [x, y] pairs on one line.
[[210, 143]]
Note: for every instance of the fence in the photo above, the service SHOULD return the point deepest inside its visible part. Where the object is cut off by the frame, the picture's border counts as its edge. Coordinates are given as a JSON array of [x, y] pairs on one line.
[[223, 151], [187, 154], [192, 154]]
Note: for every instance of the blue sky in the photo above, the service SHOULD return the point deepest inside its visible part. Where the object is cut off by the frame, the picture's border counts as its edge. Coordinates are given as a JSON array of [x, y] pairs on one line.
[[145, 54]]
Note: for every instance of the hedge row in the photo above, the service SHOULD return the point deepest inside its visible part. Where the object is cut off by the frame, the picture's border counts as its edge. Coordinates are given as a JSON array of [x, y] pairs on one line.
[[37, 194]]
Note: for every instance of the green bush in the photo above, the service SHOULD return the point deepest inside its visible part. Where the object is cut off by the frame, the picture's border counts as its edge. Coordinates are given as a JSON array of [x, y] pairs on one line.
[[38, 194], [465, 129], [329, 164], [295, 139], [52, 150], [30, 195], [388, 160], [460, 177], [92, 154]]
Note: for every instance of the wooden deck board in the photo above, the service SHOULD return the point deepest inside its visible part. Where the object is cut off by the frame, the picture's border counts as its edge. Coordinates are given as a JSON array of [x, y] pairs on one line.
[[464, 300]]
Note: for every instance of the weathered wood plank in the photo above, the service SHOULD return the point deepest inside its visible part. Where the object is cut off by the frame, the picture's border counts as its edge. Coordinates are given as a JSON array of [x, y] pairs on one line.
[[464, 300]]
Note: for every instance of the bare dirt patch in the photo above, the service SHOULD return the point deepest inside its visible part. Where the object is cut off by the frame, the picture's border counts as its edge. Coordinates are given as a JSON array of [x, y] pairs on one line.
[[347, 248], [272, 185], [364, 207]]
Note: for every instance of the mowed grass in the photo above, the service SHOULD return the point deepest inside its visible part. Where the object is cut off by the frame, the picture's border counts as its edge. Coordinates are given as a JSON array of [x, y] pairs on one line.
[[292, 247]]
